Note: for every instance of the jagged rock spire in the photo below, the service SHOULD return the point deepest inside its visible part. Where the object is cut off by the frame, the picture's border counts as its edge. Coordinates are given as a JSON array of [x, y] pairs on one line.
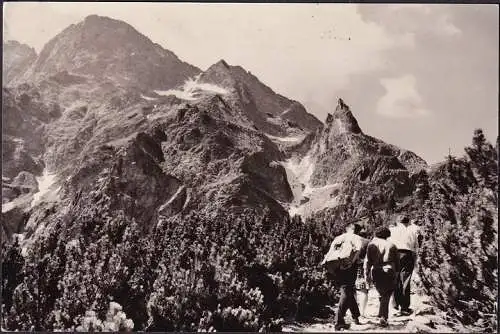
[[341, 104], [345, 121]]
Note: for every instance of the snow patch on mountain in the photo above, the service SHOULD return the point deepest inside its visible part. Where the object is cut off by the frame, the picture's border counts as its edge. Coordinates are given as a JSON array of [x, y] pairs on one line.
[[46, 191], [6, 207], [306, 198], [288, 139], [174, 196], [18, 202], [192, 88], [147, 98]]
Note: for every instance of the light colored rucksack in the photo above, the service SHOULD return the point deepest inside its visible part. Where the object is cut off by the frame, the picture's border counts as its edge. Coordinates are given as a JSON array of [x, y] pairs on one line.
[[341, 256]]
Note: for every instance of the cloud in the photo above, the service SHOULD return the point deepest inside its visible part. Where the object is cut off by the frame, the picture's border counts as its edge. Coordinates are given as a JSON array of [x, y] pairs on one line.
[[446, 27], [401, 99], [305, 51], [423, 19]]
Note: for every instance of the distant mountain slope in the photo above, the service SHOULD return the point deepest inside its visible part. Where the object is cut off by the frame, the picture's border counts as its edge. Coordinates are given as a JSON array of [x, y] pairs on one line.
[[101, 47], [270, 111], [228, 139], [17, 58], [343, 162]]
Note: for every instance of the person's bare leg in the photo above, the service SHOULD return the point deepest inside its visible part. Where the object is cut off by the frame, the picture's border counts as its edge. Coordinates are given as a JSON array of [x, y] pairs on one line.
[[363, 301]]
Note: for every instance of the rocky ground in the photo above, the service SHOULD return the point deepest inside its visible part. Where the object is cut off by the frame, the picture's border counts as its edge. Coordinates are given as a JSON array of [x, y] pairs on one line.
[[425, 318]]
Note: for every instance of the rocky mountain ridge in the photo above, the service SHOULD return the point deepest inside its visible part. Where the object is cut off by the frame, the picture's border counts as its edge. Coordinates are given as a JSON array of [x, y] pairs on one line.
[[103, 48], [225, 140], [17, 58], [343, 162]]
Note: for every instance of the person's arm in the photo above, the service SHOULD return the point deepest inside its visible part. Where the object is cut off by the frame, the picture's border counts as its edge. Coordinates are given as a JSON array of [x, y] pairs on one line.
[[368, 264], [394, 256], [364, 246], [420, 238]]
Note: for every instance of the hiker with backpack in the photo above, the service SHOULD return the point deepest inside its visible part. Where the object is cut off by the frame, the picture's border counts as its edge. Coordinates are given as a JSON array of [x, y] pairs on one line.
[[407, 239], [342, 262], [361, 286], [381, 266]]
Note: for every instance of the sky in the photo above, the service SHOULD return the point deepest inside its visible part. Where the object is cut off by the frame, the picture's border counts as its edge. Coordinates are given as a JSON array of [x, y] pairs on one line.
[[422, 77]]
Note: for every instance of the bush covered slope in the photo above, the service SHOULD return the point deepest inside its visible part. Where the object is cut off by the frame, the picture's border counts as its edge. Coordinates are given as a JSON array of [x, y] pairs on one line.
[[245, 271], [460, 221], [229, 273]]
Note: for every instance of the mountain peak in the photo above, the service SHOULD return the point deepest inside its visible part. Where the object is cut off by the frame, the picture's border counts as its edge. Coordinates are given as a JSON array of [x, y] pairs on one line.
[[17, 57], [343, 119], [100, 46], [98, 19], [220, 68], [222, 63], [14, 43], [270, 111], [95, 17], [341, 105]]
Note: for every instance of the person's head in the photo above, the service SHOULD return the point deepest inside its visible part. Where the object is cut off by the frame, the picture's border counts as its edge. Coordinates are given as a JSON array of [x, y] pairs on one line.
[[415, 221], [349, 227], [363, 233], [403, 219], [382, 232], [353, 227]]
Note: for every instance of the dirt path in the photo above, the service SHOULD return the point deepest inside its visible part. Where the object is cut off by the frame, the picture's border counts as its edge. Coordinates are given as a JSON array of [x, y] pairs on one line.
[[425, 318]]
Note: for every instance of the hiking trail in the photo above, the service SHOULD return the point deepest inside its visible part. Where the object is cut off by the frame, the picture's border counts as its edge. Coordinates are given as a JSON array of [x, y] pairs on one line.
[[424, 319]]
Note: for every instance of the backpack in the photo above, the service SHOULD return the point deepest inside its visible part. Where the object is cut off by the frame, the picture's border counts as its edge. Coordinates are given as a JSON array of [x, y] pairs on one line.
[[340, 257]]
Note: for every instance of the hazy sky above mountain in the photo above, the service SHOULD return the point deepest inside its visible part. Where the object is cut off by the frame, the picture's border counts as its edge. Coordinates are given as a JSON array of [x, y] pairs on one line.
[[418, 76]]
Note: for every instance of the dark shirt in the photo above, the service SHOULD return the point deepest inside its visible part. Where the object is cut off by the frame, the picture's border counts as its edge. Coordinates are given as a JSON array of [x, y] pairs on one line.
[[379, 253]]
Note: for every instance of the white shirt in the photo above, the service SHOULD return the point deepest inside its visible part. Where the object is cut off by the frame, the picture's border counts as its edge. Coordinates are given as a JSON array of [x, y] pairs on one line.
[[405, 237]]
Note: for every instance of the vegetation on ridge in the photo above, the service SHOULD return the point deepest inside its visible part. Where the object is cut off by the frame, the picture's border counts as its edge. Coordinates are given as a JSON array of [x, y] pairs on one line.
[[97, 269]]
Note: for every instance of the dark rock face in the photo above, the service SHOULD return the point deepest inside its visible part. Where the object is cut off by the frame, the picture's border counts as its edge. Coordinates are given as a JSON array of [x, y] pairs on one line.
[[14, 219], [369, 171], [25, 117], [343, 149], [268, 177], [259, 102], [17, 58], [129, 178], [224, 163], [297, 115], [24, 183]]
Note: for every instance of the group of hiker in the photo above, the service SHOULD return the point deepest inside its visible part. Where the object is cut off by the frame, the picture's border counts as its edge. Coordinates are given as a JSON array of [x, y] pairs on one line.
[[386, 262]]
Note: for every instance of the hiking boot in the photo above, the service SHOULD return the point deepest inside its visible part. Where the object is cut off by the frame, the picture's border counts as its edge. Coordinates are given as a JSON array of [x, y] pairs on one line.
[[383, 323], [405, 312], [356, 321], [339, 327]]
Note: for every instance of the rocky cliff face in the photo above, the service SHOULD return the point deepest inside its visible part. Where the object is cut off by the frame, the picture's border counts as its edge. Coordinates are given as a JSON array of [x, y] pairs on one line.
[[17, 58], [106, 117], [104, 48], [270, 112], [343, 149], [343, 162]]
